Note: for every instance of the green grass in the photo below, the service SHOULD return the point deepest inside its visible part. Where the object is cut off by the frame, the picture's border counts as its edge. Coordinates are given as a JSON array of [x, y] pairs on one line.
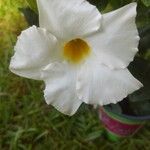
[[27, 123]]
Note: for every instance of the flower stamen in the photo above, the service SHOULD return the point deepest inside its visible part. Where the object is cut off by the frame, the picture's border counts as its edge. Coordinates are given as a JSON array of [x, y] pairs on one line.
[[76, 51]]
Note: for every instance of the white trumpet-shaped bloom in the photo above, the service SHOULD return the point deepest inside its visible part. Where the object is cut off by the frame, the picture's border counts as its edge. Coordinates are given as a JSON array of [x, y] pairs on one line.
[[80, 54]]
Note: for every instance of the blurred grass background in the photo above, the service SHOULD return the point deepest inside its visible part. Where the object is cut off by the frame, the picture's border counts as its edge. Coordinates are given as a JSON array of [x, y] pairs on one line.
[[27, 123]]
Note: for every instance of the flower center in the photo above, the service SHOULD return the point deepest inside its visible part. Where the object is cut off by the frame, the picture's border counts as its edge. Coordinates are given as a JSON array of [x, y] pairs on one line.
[[76, 50]]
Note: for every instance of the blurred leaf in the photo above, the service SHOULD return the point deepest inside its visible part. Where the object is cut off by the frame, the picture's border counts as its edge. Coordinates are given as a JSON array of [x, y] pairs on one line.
[[139, 101], [31, 16], [142, 10], [144, 31], [140, 68], [141, 108], [41, 135], [94, 135], [100, 4], [103, 4], [141, 95], [146, 2], [33, 5], [144, 44], [115, 4], [119, 3]]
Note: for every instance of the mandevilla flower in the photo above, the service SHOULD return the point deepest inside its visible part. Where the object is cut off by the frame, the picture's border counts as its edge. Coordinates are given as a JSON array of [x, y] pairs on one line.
[[80, 54]]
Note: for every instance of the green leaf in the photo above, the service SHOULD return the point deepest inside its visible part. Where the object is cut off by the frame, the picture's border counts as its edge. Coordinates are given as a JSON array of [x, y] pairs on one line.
[[103, 4], [144, 44], [33, 5], [30, 16], [139, 101], [142, 10], [141, 108], [119, 3], [94, 135], [140, 68], [146, 2], [100, 4], [140, 95], [115, 4]]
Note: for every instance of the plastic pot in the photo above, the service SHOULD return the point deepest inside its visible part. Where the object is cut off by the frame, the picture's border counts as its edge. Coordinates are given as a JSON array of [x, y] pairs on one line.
[[118, 126]]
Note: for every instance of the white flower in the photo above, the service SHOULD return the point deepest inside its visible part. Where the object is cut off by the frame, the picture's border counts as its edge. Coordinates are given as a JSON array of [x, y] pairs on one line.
[[81, 55]]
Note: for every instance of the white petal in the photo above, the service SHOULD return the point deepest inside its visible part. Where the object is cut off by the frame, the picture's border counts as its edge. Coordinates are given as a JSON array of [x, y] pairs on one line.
[[68, 19], [98, 84], [60, 80], [117, 41], [35, 49]]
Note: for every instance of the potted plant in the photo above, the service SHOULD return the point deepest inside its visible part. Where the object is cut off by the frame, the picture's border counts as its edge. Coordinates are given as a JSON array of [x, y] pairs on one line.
[[128, 116]]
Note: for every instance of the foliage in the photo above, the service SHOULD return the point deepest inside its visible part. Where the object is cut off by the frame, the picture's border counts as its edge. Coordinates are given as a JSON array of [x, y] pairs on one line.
[[146, 2], [33, 5], [9, 26], [140, 100]]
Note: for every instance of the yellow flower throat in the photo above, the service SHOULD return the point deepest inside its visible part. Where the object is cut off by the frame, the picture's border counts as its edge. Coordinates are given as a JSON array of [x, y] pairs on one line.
[[76, 51]]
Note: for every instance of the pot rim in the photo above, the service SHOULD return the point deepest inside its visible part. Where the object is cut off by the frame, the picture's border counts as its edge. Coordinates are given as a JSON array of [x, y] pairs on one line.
[[140, 118]]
